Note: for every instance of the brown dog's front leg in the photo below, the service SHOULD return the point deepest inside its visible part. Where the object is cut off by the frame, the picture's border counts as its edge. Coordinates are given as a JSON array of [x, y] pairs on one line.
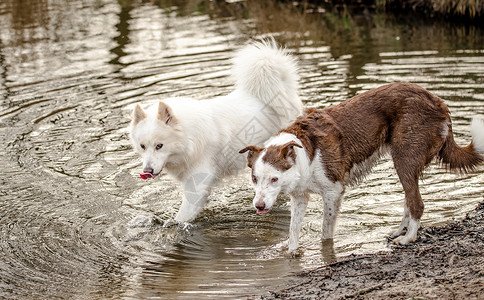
[[299, 204]]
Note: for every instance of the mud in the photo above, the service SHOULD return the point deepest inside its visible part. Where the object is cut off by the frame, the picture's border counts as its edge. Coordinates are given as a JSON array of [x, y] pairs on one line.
[[446, 262]]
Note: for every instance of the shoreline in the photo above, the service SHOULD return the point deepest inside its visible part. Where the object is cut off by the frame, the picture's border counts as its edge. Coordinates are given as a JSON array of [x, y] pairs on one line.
[[449, 10], [446, 262]]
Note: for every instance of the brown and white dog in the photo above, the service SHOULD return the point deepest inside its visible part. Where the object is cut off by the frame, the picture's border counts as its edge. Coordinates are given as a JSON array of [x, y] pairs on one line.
[[327, 149]]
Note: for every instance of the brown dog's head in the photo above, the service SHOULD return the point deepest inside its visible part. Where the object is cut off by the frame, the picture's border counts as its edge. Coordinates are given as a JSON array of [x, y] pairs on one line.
[[272, 172]]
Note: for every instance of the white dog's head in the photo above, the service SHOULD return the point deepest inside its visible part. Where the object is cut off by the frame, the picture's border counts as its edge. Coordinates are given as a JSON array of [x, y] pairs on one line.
[[272, 172], [157, 137]]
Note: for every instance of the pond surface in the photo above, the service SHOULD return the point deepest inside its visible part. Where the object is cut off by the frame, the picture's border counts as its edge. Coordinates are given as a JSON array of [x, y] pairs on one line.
[[76, 221]]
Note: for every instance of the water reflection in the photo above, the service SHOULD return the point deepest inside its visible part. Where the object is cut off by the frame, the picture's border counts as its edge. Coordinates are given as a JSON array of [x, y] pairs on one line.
[[75, 217], [327, 251], [122, 27], [28, 21]]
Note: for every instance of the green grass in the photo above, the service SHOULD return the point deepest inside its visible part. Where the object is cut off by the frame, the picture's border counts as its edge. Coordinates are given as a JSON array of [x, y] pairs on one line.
[[450, 8]]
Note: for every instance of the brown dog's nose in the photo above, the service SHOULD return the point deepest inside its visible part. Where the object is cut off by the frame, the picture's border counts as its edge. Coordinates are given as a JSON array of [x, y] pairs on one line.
[[260, 205]]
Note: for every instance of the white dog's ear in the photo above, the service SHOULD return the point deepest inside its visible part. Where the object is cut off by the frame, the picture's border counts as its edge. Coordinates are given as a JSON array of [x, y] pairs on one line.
[[138, 114], [165, 113]]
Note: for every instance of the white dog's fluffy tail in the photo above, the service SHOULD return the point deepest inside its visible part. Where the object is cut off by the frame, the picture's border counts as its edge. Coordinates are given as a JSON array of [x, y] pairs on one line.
[[477, 131], [269, 74]]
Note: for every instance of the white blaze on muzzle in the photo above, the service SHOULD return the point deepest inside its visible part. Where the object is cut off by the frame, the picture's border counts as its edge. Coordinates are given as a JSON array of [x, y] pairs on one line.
[[266, 190]]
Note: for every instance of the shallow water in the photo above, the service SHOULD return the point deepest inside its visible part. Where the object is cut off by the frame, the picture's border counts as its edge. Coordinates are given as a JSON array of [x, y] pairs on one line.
[[76, 221]]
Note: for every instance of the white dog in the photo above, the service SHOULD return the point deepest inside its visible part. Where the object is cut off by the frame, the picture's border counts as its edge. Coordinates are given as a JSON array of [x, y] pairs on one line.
[[197, 141], [327, 149]]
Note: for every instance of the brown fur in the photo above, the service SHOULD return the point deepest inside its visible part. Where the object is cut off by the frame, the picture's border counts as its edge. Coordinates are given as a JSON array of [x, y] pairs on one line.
[[281, 157], [253, 154]]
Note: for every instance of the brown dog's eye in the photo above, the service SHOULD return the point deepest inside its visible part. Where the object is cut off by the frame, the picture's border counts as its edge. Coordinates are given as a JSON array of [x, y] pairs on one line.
[[159, 146], [142, 146], [274, 179], [254, 179]]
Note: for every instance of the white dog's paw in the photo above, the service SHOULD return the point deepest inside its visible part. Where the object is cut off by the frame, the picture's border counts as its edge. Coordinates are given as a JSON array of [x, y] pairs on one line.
[[182, 225], [171, 223]]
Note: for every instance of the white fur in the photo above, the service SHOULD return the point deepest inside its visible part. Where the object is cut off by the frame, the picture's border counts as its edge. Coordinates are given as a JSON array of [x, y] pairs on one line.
[[202, 140], [299, 204], [445, 129], [266, 191], [269, 74], [408, 223], [411, 234], [404, 223], [360, 170], [477, 131]]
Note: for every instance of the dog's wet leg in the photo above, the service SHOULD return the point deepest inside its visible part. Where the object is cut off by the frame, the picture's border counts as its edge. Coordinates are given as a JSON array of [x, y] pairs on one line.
[[413, 201], [416, 139], [196, 190], [332, 201], [299, 204], [404, 224]]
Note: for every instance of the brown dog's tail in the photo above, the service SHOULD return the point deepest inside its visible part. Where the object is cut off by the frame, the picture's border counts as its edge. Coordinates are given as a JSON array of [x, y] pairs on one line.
[[464, 159]]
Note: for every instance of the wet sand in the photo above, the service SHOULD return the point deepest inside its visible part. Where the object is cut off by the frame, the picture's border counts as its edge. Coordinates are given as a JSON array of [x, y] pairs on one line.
[[446, 262]]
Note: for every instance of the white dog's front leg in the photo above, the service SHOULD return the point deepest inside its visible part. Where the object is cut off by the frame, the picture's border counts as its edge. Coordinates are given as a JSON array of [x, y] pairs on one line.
[[196, 190], [298, 210]]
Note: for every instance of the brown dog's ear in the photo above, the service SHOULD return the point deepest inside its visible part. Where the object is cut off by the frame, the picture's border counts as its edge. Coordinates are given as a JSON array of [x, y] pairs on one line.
[[248, 148], [287, 151], [138, 114], [254, 152], [165, 113]]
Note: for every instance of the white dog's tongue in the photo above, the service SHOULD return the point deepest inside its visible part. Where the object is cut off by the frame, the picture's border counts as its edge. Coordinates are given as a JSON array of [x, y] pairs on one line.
[[146, 175]]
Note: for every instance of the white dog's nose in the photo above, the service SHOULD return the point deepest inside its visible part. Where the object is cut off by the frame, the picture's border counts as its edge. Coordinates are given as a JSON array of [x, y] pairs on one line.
[[260, 205], [148, 170]]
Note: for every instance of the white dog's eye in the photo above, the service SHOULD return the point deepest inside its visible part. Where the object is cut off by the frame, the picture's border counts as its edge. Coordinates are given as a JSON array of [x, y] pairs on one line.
[[274, 179], [142, 146], [159, 146], [254, 179]]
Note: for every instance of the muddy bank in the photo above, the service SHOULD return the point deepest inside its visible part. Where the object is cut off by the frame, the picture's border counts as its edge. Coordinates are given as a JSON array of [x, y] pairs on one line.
[[445, 263]]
